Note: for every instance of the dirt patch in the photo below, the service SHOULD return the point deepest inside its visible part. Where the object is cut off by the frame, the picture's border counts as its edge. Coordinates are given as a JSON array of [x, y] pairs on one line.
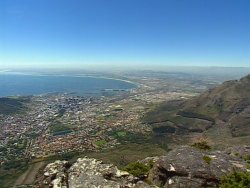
[[29, 176]]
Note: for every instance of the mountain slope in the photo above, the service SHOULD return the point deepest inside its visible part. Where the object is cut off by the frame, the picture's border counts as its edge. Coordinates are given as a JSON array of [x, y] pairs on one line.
[[12, 105], [228, 103]]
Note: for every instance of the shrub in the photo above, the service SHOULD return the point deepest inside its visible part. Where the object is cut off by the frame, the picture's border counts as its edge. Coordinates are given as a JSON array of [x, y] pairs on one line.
[[236, 180], [247, 158], [100, 143], [207, 159], [137, 169], [202, 145], [151, 163]]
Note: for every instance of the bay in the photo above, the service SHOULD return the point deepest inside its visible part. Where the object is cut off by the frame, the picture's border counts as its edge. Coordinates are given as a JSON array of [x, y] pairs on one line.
[[23, 85]]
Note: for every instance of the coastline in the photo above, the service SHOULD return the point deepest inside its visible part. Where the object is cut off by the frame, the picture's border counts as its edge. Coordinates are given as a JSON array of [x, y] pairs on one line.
[[69, 75], [134, 85]]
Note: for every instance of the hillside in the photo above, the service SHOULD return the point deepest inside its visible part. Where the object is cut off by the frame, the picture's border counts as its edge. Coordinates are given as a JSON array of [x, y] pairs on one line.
[[227, 104], [12, 105]]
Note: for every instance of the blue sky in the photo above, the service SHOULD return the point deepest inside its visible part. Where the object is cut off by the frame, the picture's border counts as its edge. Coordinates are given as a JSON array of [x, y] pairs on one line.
[[80, 33]]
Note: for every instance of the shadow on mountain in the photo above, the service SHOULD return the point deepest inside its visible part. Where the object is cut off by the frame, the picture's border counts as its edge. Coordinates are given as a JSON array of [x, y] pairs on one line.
[[228, 103]]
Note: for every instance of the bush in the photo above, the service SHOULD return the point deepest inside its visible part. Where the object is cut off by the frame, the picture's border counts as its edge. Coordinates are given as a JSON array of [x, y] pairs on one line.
[[207, 159], [15, 164], [236, 180], [202, 145], [137, 169], [100, 143], [247, 158]]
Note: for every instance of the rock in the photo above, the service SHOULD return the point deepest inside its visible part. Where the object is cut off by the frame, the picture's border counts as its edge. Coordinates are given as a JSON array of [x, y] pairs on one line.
[[183, 167], [149, 160], [141, 184], [90, 173], [86, 173], [239, 151], [54, 174], [189, 167]]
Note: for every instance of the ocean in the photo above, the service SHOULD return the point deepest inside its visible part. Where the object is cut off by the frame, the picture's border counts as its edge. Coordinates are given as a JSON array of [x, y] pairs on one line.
[[24, 85]]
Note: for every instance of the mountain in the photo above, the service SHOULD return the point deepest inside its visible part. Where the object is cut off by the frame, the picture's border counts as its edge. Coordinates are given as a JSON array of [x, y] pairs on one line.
[[10, 105], [227, 104]]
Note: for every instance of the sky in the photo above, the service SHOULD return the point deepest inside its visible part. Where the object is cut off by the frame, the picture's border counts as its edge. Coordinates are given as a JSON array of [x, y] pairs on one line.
[[82, 33]]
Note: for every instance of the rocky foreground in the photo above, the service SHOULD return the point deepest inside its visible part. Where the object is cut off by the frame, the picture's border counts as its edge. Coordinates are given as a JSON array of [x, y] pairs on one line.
[[182, 167]]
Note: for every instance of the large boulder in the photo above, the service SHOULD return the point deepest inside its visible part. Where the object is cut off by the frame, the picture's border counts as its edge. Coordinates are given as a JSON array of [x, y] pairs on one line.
[[54, 175], [190, 167]]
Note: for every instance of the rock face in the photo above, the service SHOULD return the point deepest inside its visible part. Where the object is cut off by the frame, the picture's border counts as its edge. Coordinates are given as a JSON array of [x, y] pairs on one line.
[[87, 173], [184, 167], [55, 175], [93, 173], [189, 167]]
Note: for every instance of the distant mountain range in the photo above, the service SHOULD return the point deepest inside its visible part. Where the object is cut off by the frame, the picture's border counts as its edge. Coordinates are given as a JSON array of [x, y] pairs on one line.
[[228, 104]]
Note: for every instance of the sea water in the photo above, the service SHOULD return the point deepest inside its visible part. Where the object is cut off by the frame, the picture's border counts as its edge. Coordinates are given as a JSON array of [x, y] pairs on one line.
[[23, 85]]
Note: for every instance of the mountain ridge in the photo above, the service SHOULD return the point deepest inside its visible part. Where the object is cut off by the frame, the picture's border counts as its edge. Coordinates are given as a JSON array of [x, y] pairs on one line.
[[228, 103]]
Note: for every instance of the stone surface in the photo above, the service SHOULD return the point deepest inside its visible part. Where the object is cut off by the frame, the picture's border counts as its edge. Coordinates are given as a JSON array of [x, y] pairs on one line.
[[186, 167], [239, 151], [183, 167], [90, 173], [86, 173], [54, 174]]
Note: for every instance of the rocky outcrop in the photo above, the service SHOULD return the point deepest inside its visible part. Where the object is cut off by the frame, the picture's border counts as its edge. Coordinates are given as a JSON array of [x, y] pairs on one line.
[[87, 173], [93, 173], [189, 167], [242, 151], [185, 167], [54, 175]]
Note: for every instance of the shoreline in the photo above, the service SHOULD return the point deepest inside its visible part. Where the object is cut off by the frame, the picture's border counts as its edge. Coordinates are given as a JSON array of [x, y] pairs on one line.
[[68, 75], [135, 85]]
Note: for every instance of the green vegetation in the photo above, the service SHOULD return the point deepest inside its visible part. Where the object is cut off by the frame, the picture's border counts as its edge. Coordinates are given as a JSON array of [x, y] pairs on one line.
[[121, 133], [17, 146], [136, 138], [195, 115], [247, 158], [162, 112], [163, 129], [9, 105], [168, 119], [120, 156], [207, 159], [57, 128], [124, 154], [236, 180], [202, 145], [137, 169], [100, 143], [129, 137], [11, 170], [64, 156], [14, 164], [200, 113]]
